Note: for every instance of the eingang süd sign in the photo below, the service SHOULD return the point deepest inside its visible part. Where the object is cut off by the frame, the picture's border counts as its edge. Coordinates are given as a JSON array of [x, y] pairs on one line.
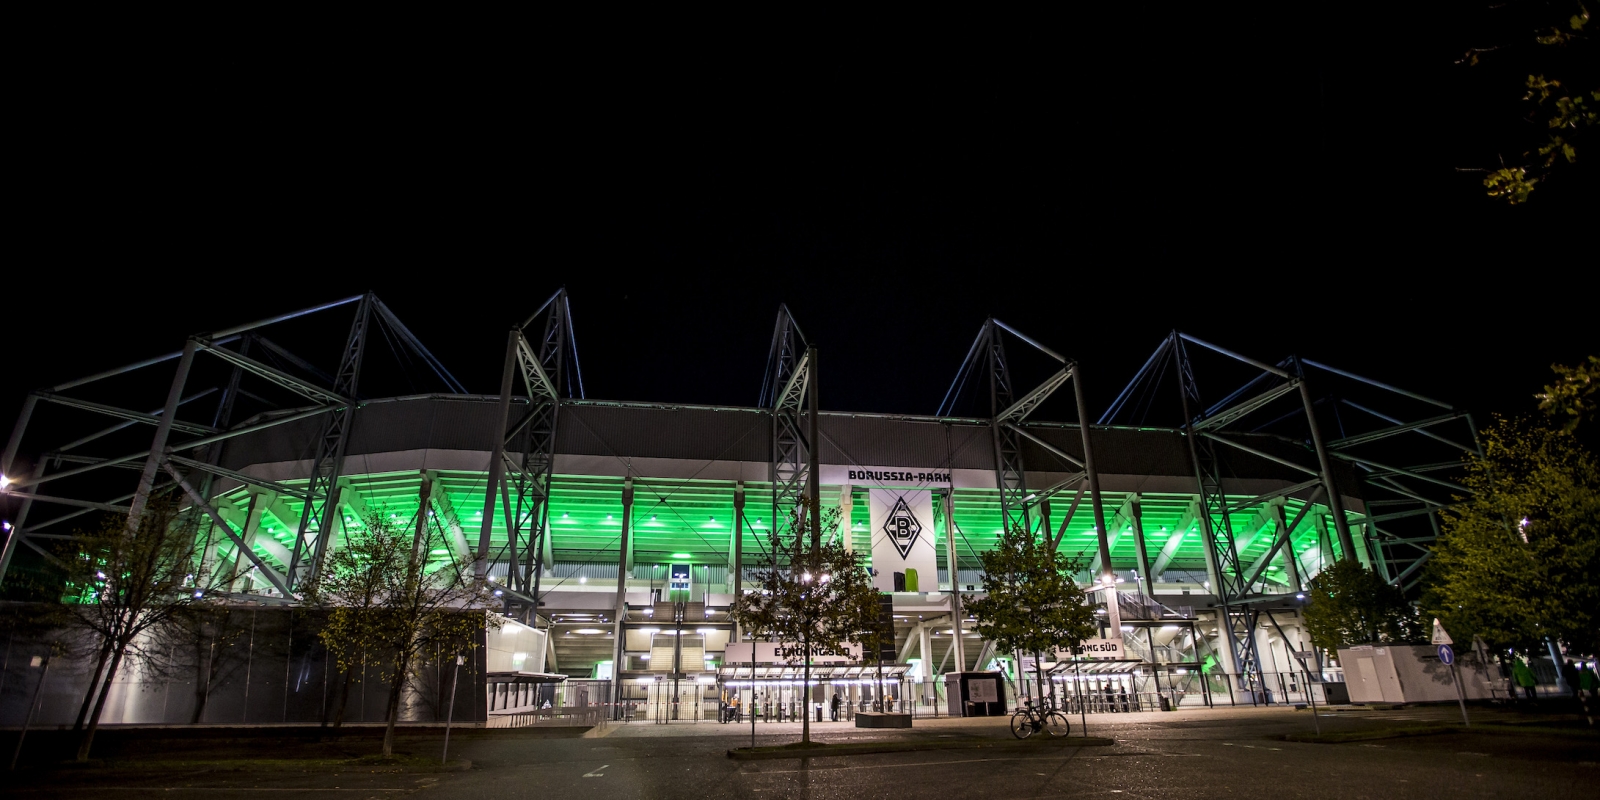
[[790, 653]]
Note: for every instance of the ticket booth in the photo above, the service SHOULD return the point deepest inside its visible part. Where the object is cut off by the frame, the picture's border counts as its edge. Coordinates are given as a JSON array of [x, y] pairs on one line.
[[975, 694]]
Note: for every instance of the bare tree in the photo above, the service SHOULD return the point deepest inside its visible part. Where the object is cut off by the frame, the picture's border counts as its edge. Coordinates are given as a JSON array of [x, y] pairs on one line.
[[122, 584]]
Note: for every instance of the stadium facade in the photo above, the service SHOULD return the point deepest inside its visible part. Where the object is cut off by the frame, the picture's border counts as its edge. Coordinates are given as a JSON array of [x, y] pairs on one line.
[[618, 533]]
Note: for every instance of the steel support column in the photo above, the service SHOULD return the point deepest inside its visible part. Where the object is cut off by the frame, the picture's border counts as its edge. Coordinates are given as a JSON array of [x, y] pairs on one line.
[[814, 449], [158, 444], [619, 647], [1147, 581], [1010, 476], [497, 458], [322, 503], [1335, 499], [956, 612]]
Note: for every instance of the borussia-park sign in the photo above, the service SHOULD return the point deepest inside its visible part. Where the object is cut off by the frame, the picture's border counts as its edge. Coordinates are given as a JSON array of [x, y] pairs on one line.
[[789, 653], [897, 476]]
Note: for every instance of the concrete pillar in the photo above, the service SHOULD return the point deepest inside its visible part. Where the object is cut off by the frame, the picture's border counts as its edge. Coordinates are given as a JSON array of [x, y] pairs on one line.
[[846, 505], [957, 615], [1146, 580], [925, 648], [620, 610]]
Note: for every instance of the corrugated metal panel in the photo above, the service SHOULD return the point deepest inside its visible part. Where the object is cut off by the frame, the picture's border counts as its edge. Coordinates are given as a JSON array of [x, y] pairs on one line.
[[879, 441], [663, 432], [702, 433]]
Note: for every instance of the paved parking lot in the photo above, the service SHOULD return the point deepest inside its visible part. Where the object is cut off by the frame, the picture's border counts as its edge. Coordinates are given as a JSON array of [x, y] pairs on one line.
[[1186, 754]]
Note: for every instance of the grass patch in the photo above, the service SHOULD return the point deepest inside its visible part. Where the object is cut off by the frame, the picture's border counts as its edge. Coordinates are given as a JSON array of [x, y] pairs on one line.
[[817, 749], [373, 763]]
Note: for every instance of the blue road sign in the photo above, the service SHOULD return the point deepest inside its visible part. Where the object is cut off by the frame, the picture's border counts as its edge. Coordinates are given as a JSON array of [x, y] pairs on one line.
[[1447, 654]]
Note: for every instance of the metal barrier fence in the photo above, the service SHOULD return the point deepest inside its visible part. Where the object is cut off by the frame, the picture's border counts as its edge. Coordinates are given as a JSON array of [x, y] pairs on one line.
[[557, 717]]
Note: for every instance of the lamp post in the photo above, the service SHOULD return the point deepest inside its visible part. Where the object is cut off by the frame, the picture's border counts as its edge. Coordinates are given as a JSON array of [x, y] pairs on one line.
[[33, 705], [455, 680]]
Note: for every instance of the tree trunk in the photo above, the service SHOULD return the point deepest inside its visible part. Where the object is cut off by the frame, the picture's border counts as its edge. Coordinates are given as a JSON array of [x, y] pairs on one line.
[[344, 692], [882, 706], [395, 688], [100, 705], [94, 685], [205, 673], [805, 709], [1038, 674]]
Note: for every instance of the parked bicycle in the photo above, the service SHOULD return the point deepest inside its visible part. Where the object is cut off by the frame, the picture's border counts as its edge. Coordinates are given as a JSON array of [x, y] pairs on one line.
[[1031, 719]]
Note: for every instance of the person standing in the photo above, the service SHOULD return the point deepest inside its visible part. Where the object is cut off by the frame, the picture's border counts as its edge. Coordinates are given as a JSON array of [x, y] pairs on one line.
[[833, 707], [1588, 682], [1523, 675], [1569, 673]]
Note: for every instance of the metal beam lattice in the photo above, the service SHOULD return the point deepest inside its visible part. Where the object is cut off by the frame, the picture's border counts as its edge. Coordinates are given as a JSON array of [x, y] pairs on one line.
[[521, 484], [321, 506], [784, 391]]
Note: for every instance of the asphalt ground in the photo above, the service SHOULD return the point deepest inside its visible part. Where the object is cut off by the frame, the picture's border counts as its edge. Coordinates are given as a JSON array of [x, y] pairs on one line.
[[1185, 754]]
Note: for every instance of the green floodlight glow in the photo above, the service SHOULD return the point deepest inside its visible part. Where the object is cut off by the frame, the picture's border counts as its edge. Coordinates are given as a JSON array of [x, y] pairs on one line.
[[680, 555], [437, 552]]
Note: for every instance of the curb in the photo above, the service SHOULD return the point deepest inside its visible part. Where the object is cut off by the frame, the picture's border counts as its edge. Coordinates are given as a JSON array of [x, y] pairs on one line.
[[1432, 730], [831, 751]]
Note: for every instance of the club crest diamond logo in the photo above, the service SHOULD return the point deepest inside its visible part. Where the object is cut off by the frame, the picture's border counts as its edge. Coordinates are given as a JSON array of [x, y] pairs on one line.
[[902, 527]]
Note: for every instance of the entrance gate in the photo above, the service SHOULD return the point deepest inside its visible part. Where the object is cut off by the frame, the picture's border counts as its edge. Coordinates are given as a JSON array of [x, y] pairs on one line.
[[665, 706]]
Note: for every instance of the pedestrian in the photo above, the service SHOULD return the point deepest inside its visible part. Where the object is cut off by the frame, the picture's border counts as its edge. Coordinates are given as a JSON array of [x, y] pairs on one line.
[[1588, 681], [834, 706], [1523, 675], [1569, 673]]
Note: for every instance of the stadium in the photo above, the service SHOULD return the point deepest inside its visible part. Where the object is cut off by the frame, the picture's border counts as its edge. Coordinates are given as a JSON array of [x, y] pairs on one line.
[[617, 533]]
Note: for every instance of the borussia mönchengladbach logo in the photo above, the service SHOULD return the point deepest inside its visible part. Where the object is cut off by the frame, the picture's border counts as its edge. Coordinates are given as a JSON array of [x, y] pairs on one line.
[[902, 527]]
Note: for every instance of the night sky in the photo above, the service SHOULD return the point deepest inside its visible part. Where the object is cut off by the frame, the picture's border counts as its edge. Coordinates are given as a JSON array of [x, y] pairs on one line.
[[1278, 186]]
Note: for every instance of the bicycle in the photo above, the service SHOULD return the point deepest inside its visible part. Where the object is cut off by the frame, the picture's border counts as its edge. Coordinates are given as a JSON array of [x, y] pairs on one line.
[[1029, 720]]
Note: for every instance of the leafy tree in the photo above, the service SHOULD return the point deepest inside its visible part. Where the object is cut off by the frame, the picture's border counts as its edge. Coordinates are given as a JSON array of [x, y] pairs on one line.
[[1519, 560], [1567, 115], [390, 611], [1571, 397], [815, 596], [1032, 604], [1350, 604], [872, 632]]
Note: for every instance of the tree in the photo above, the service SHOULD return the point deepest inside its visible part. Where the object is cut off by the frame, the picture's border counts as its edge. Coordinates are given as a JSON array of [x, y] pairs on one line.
[[194, 643], [1519, 559], [814, 596], [1032, 604], [1571, 397], [122, 584], [1350, 604], [390, 610], [1555, 43], [873, 632]]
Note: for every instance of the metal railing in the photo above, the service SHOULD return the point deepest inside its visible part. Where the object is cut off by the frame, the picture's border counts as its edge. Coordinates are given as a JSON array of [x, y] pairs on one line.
[[557, 717]]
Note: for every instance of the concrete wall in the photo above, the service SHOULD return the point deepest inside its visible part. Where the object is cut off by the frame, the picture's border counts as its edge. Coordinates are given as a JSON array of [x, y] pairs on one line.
[[513, 639], [1410, 674], [255, 666]]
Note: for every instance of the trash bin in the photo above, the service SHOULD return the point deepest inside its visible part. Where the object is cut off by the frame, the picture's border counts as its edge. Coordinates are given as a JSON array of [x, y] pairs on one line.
[[819, 712], [1166, 705]]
